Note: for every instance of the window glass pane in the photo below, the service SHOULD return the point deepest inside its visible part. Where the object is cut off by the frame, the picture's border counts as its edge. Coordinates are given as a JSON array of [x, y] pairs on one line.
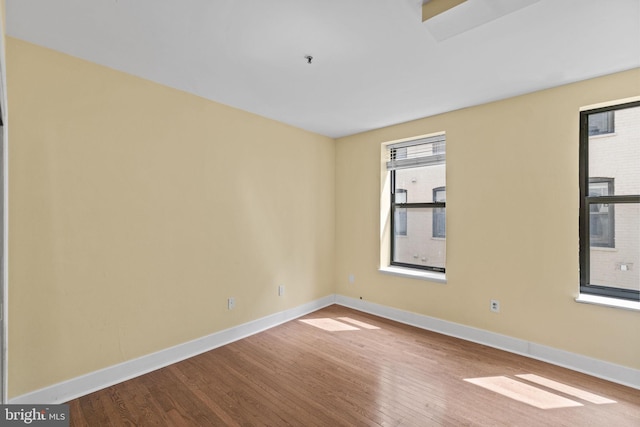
[[617, 266], [617, 155], [420, 182], [418, 245]]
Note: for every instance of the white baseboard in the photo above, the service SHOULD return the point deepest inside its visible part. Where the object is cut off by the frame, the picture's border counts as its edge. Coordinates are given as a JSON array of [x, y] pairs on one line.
[[94, 381], [598, 368]]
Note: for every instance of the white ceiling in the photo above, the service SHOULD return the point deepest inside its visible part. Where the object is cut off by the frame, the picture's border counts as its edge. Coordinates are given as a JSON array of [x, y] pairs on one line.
[[374, 62]]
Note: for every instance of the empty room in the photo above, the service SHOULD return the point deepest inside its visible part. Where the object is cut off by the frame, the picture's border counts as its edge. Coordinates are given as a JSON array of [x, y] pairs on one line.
[[320, 212]]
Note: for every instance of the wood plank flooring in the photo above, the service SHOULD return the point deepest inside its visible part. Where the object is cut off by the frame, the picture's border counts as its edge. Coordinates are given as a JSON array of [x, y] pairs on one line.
[[298, 374]]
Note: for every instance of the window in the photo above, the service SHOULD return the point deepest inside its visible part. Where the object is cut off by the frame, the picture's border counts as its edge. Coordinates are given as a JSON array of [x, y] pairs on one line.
[[417, 202], [601, 215], [400, 222], [438, 229], [610, 202], [601, 123]]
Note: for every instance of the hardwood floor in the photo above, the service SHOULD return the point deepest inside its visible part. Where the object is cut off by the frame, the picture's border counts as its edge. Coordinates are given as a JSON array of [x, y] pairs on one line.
[[299, 374]]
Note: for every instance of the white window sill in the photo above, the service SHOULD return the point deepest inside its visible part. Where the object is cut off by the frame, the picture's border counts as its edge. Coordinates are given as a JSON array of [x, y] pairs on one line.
[[432, 276], [603, 249], [603, 135], [609, 302]]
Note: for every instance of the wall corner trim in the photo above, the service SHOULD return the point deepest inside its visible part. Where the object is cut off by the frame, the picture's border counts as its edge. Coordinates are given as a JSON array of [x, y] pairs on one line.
[[595, 367], [97, 380]]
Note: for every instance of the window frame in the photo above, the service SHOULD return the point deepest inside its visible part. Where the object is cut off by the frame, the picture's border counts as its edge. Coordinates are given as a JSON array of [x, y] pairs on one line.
[[585, 205], [438, 152]]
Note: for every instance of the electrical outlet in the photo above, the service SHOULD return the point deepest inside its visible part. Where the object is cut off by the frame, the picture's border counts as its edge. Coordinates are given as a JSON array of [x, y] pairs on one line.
[[495, 306], [231, 303], [352, 278], [280, 290]]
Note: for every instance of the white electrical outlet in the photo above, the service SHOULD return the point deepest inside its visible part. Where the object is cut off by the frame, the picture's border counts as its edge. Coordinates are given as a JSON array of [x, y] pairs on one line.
[[352, 278], [495, 306], [280, 290], [231, 303]]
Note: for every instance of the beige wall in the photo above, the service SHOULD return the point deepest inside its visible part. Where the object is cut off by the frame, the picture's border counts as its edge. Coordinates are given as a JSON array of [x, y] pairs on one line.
[[512, 222], [136, 210]]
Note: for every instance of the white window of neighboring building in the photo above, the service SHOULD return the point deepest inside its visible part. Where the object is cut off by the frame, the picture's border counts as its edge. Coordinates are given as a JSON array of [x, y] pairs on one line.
[[602, 123], [439, 218], [417, 207], [601, 215], [400, 214], [610, 201]]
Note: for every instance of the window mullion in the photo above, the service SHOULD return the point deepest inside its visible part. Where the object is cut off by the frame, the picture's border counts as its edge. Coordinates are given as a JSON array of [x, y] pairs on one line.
[[596, 200], [421, 205]]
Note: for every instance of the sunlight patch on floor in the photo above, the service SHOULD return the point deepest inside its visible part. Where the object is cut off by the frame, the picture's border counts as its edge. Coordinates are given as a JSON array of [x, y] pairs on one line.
[[328, 324], [566, 389], [334, 325], [523, 392], [363, 325]]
